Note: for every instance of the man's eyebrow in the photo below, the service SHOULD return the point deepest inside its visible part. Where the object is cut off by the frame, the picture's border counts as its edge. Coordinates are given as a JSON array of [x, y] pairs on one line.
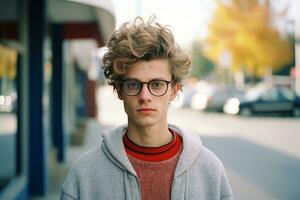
[[131, 78]]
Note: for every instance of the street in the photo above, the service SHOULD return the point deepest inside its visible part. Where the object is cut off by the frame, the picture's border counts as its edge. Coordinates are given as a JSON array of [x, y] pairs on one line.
[[261, 154]]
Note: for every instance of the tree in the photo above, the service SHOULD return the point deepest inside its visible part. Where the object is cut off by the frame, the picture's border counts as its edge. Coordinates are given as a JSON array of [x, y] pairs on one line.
[[246, 29], [202, 66]]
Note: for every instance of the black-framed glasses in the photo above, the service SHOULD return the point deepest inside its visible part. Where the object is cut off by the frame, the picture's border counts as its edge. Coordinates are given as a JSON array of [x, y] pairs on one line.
[[132, 87]]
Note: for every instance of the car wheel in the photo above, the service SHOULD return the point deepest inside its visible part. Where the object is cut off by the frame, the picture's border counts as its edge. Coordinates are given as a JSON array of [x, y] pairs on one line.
[[296, 112], [246, 112]]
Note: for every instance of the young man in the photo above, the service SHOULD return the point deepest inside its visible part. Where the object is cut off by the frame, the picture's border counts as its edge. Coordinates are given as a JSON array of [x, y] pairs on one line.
[[147, 158]]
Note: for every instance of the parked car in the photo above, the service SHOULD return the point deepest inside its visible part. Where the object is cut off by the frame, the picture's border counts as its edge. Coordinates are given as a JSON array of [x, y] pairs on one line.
[[8, 102], [214, 98], [279, 100]]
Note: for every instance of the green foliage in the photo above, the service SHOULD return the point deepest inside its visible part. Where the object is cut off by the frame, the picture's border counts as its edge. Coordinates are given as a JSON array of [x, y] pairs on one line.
[[202, 66]]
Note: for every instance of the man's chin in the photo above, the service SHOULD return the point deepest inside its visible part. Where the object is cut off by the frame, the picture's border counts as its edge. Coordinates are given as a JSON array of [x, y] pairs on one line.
[[145, 122]]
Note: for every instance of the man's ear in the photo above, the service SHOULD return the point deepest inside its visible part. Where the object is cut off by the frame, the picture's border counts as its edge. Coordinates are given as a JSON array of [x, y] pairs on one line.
[[175, 89], [117, 88]]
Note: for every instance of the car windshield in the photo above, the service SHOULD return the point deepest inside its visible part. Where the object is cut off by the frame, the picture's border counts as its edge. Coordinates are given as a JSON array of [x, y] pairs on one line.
[[266, 93], [270, 95], [255, 92], [286, 93]]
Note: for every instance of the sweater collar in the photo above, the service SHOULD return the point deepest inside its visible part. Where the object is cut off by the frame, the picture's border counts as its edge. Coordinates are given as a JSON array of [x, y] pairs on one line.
[[115, 150]]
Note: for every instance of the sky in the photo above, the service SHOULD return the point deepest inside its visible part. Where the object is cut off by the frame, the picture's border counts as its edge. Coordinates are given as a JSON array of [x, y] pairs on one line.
[[189, 19]]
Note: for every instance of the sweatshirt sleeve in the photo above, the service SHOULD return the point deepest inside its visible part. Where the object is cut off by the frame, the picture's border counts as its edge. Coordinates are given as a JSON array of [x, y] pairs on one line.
[[64, 196], [226, 192], [70, 189]]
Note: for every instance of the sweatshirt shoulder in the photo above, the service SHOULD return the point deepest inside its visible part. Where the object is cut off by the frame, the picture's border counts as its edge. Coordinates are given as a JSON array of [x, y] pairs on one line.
[[83, 162], [83, 167], [209, 157], [213, 169], [87, 157]]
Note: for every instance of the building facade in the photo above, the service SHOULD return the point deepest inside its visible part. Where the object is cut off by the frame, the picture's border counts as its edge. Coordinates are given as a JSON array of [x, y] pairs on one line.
[[40, 73]]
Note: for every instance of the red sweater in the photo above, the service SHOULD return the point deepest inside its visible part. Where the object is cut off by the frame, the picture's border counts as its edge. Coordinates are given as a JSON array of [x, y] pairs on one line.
[[154, 166]]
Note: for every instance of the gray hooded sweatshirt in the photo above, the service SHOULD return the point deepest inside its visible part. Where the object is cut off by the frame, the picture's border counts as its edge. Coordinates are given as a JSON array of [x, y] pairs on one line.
[[106, 172]]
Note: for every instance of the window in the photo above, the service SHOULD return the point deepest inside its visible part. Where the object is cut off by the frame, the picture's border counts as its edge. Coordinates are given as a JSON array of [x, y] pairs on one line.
[[8, 116], [8, 92]]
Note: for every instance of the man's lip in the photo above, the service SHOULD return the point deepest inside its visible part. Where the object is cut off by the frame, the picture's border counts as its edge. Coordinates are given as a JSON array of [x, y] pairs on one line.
[[145, 109]]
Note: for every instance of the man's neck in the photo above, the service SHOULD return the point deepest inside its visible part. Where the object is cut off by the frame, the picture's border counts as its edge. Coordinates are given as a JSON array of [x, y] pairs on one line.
[[150, 136]]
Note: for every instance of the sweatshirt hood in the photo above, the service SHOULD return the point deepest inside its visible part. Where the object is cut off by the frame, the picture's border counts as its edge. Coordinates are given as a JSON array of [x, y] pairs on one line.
[[114, 149], [192, 146]]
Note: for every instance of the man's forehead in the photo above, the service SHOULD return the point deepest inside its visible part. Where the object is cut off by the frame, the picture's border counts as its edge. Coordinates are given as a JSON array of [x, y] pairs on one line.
[[154, 69], [149, 75]]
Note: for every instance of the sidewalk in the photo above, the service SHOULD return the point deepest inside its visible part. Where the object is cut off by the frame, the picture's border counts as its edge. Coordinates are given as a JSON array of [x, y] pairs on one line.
[[58, 171]]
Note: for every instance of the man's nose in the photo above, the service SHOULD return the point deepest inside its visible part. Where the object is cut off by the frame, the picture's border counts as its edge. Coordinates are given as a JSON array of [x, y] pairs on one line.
[[145, 93]]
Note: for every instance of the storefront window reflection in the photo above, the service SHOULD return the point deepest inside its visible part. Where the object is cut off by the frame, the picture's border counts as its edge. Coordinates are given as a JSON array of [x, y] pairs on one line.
[[8, 116]]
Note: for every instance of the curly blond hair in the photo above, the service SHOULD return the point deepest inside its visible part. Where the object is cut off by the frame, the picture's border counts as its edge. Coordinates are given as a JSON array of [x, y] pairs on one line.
[[140, 41]]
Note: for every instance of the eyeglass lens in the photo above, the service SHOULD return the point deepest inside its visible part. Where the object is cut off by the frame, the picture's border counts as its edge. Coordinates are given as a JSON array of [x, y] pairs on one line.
[[155, 87]]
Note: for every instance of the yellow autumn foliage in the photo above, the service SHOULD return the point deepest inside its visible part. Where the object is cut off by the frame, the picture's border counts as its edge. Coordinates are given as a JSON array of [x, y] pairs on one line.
[[8, 62], [245, 29]]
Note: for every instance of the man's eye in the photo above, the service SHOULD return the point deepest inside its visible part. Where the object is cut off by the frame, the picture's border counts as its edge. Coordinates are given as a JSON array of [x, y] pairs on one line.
[[157, 84], [133, 85]]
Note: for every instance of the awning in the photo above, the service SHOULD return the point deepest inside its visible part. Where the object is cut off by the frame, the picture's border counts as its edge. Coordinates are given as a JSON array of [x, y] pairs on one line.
[[82, 14]]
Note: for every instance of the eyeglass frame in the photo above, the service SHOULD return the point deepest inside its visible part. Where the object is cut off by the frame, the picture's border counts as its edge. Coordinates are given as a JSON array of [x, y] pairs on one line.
[[121, 82]]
